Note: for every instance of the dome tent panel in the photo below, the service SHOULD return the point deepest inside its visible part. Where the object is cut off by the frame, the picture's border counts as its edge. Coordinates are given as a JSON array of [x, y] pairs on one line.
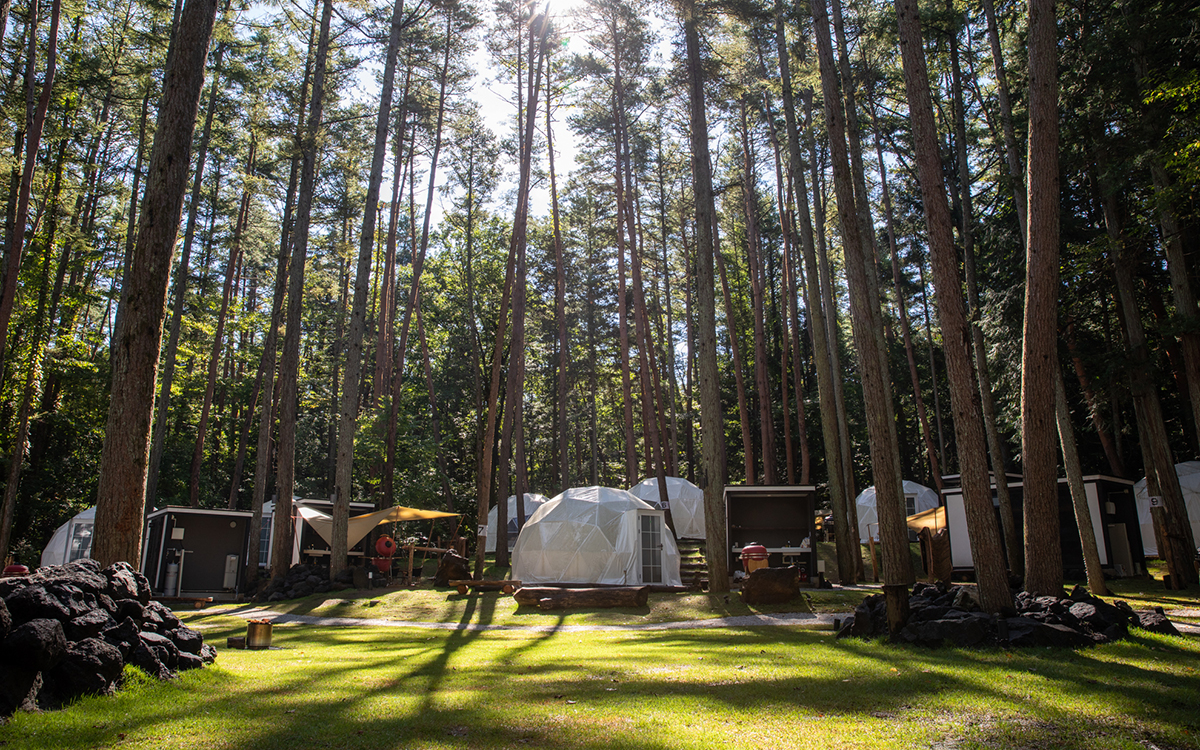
[[1189, 482], [591, 535], [687, 504], [71, 541], [923, 498], [533, 501]]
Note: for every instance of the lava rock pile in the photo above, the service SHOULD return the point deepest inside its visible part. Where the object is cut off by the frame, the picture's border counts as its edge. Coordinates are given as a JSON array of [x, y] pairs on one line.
[[69, 630], [939, 614], [302, 580]]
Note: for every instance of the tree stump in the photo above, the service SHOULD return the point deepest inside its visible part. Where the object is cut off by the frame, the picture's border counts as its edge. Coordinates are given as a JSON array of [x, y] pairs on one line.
[[771, 585], [545, 597], [451, 567]]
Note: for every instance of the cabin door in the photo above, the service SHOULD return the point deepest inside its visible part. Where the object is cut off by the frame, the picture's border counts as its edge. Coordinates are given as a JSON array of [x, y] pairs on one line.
[[650, 527]]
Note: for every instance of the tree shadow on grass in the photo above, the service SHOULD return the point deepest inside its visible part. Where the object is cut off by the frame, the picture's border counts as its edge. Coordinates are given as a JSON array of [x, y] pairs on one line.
[[398, 687]]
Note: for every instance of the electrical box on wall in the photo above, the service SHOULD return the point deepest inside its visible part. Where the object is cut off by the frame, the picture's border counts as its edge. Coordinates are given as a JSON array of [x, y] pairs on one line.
[[177, 532]]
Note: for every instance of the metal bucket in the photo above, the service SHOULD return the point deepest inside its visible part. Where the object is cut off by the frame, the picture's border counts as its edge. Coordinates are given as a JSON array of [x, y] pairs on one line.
[[258, 635]]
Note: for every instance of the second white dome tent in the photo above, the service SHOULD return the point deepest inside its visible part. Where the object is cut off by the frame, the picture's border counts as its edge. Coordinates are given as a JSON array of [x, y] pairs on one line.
[[596, 535]]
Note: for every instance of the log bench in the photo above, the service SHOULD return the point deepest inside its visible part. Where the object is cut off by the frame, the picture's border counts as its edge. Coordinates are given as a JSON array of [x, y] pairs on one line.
[[547, 597]]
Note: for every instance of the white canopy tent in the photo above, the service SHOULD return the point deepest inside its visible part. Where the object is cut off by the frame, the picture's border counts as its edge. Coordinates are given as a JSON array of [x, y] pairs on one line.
[[71, 541], [596, 535], [533, 501], [1189, 481], [687, 504], [917, 497]]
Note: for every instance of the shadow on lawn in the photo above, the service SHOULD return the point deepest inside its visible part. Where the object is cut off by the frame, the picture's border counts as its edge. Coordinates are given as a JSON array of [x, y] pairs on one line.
[[403, 687]]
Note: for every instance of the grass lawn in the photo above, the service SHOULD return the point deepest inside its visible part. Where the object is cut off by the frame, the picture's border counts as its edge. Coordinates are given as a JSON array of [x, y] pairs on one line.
[[770, 687]]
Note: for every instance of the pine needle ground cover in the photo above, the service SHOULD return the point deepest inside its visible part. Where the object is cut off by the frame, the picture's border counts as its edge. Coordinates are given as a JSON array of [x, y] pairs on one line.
[[770, 687]]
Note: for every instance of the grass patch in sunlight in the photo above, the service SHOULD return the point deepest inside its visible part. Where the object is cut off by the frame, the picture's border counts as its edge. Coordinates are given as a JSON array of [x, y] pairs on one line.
[[775, 687]]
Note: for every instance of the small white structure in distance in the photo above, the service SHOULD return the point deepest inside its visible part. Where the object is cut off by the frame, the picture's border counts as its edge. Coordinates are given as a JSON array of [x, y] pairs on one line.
[[71, 541], [1189, 481], [917, 498], [533, 501], [596, 535], [687, 504]]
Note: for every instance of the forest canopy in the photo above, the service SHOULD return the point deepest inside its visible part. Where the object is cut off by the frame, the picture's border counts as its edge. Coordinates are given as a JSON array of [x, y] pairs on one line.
[[362, 300]]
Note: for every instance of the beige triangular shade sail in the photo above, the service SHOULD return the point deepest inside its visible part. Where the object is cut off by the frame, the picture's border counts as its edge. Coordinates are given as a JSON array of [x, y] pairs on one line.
[[932, 519], [360, 526]]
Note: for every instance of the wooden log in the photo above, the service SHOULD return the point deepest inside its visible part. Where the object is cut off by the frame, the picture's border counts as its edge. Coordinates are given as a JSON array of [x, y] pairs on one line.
[[546, 597], [771, 585]]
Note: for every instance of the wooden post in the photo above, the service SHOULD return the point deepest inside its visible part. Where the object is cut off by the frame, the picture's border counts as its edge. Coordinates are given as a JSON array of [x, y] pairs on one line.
[[409, 580]]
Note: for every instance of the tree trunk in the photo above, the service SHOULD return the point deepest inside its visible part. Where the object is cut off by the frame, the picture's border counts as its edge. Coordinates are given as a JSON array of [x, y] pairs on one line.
[[1012, 153], [348, 412], [845, 534], [560, 308], [750, 206], [935, 466], [736, 351], [1016, 559], [289, 366], [1039, 361], [516, 250], [33, 138], [867, 325], [219, 336], [1171, 523], [159, 435], [1115, 463], [1083, 515], [711, 417], [121, 494], [964, 395]]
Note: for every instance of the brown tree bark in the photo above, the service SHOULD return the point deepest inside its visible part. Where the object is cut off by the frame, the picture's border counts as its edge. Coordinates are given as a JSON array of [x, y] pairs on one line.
[[754, 267], [1039, 361], [845, 534], [867, 325], [351, 383], [516, 249], [218, 346], [289, 366], [935, 466], [736, 352], [560, 306], [1083, 515], [1016, 559], [182, 273], [121, 493], [1115, 461], [35, 124], [964, 395], [1171, 522], [711, 418]]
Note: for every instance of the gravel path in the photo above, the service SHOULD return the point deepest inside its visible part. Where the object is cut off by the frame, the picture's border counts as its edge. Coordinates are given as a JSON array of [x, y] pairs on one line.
[[795, 619], [798, 619]]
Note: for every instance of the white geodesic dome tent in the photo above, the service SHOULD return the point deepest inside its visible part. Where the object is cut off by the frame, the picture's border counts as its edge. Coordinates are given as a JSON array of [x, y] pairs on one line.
[[533, 501], [596, 535], [1189, 481], [923, 498], [687, 504], [71, 541]]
